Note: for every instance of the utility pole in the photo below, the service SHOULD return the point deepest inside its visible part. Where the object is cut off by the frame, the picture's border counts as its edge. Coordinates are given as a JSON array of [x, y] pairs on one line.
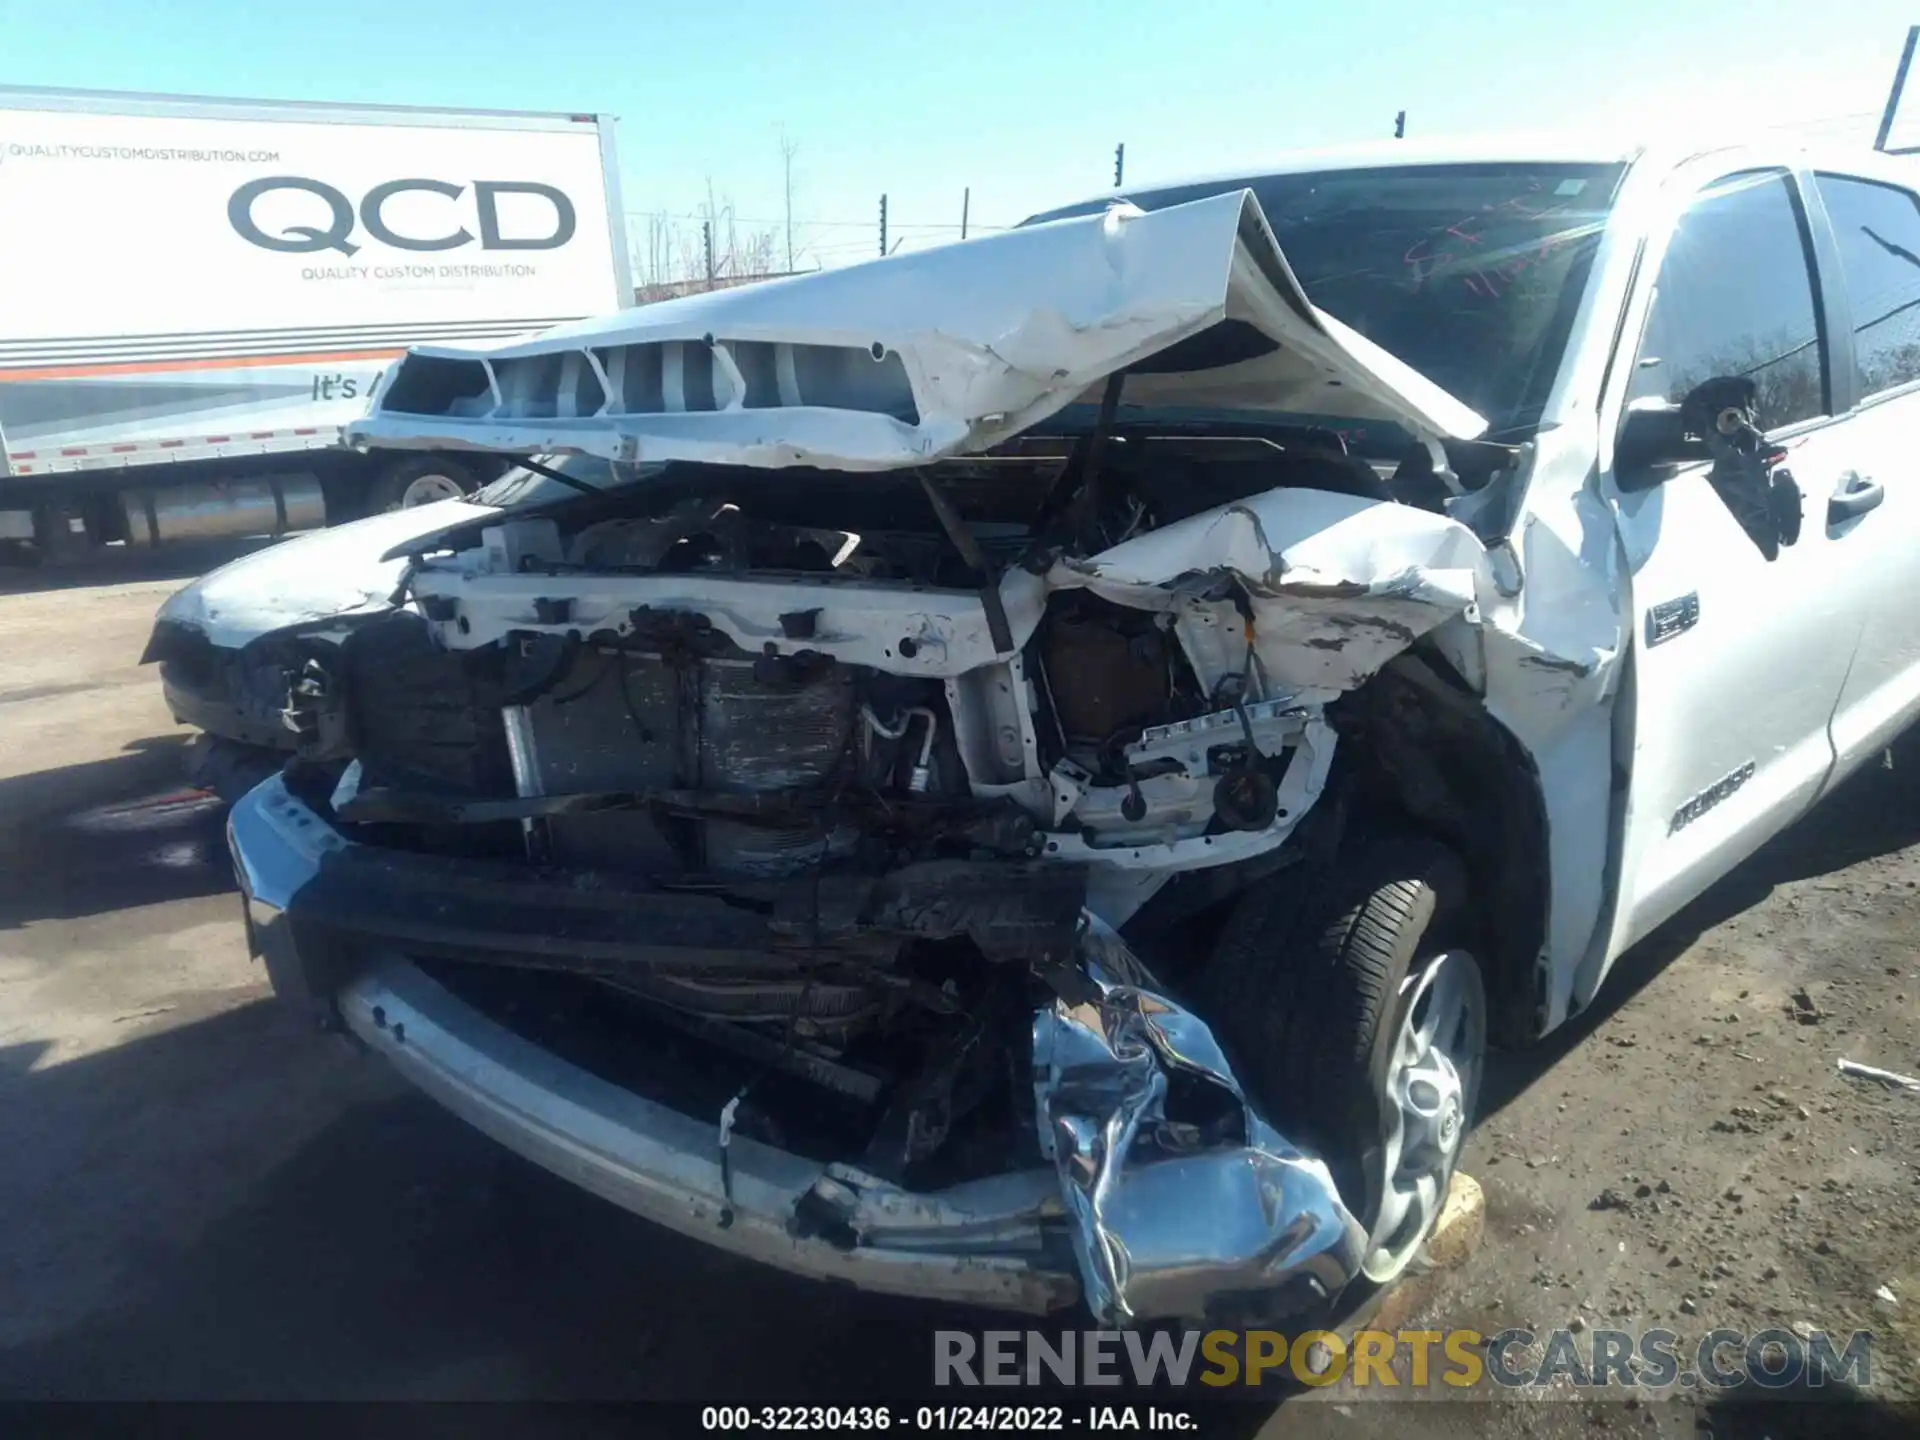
[[1885, 131], [966, 203], [1400, 126], [787, 150], [883, 225], [706, 240], [1119, 163]]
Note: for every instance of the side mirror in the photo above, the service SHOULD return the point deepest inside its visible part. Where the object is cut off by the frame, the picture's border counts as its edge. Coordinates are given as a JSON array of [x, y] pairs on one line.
[[1718, 421], [1653, 440], [1725, 413]]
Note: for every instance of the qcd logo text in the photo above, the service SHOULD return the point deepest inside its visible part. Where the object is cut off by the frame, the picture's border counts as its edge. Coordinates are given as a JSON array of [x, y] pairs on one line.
[[331, 219]]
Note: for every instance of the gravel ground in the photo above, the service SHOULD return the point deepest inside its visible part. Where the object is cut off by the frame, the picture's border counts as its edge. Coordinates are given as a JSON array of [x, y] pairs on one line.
[[1688, 1155], [198, 1202]]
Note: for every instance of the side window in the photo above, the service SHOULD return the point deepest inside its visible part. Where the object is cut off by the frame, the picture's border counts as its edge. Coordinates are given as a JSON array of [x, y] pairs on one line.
[[1878, 231], [1735, 297]]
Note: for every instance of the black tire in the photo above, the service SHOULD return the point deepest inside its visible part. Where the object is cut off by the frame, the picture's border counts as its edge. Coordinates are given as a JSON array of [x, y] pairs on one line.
[[390, 487], [53, 535], [1305, 991]]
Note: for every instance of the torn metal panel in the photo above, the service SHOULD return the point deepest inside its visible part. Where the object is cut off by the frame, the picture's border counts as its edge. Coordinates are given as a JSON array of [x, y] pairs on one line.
[[915, 357], [1336, 585], [1185, 1204]]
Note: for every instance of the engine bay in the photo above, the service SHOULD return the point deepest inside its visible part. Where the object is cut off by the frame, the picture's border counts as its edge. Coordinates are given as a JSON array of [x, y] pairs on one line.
[[911, 727]]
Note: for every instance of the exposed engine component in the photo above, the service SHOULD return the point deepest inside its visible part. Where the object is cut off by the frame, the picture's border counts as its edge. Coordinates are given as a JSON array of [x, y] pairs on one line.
[[1109, 670], [412, 713], [1246, 798], [1142, 754], [922, 773], [704, 534], [761, 731], [1221, 771], [618, 721]]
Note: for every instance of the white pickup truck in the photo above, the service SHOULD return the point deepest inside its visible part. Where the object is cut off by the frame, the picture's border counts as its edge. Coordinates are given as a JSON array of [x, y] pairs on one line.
[[1033, 771]]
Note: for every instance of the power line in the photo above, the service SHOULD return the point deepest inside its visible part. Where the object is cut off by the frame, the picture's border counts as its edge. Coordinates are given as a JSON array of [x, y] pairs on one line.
[[694, 216], [1814, 122]]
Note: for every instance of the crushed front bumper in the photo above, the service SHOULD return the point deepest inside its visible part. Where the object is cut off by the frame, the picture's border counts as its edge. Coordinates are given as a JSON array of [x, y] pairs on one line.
[[1000, 1243], [985, 1243], [1020, 1241]]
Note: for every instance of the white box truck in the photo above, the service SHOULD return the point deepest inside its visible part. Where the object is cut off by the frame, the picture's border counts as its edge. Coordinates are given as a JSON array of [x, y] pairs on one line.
[[195, 295]]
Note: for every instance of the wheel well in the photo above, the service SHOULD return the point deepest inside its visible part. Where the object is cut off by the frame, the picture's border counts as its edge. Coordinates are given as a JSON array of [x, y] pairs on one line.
[[1419, 750]]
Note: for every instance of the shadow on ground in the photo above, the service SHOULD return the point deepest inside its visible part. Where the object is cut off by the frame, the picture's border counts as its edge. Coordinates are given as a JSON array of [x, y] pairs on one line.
[[108, 835], [123, 565], [1801, 1412], [400, 1254]]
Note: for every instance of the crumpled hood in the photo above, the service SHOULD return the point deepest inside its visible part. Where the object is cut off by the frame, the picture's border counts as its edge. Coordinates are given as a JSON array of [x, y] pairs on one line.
[[933, 353], [311, 577]]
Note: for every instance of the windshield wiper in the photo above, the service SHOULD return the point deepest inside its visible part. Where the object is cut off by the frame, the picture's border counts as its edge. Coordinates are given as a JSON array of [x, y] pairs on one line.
[[567, 480]]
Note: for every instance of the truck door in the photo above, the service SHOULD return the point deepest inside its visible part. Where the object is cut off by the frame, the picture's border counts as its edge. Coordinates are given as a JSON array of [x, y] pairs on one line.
[[1876, 231], [1738, 660]]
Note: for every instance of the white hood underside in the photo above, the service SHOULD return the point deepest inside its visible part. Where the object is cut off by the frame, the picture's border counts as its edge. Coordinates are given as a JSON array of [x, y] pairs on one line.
[[920, 356]]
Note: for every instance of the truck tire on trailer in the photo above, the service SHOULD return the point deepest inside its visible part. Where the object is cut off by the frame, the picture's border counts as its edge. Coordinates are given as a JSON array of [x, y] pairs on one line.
[[418, 480], [59, 533]]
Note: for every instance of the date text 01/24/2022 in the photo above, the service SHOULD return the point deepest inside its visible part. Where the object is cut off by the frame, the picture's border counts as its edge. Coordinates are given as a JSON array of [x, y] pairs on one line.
[[943, 1417]]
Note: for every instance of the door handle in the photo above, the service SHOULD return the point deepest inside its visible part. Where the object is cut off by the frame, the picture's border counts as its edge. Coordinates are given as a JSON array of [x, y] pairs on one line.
[[1855, 497]]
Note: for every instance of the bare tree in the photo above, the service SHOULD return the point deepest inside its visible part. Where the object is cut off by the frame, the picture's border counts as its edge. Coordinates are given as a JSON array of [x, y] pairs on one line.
[[788, 149], [656, 260], [757, 254], [712, 247]]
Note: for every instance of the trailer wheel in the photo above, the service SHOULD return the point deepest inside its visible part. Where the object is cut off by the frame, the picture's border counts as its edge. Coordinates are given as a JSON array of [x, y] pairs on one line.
[[1356, 1015], [421, 480], [60, 533]]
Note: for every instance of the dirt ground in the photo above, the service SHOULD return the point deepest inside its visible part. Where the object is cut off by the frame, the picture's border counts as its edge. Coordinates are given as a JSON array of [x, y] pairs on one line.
[[198, 1201]]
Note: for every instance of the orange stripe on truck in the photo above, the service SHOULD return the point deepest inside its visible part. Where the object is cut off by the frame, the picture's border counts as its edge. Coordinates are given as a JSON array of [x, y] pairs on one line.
[[228, 362]]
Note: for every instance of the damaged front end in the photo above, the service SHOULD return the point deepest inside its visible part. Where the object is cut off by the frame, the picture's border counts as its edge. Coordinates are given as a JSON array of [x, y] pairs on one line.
[[1123, 1090], [771, 843]]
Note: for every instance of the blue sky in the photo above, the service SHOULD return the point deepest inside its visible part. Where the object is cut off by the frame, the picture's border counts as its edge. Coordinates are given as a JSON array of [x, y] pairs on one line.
[[1022, 100]]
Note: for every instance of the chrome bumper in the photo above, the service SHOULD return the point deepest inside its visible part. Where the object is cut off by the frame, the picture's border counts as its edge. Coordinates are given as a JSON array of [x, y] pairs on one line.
[[1000, 1243]]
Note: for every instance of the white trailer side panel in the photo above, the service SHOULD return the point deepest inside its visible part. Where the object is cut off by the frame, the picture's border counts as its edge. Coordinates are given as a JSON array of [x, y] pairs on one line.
[[185, 279]]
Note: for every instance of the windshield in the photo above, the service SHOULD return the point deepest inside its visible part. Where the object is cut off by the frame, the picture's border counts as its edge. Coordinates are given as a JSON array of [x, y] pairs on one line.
[[1471, 274], [521, 486]]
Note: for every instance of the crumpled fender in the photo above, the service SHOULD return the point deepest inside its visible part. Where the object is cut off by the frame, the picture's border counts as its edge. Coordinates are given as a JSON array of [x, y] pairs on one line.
[[1334, 585]]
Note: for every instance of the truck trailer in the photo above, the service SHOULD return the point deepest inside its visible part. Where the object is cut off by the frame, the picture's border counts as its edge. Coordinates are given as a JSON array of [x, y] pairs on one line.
[[197, 294]]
